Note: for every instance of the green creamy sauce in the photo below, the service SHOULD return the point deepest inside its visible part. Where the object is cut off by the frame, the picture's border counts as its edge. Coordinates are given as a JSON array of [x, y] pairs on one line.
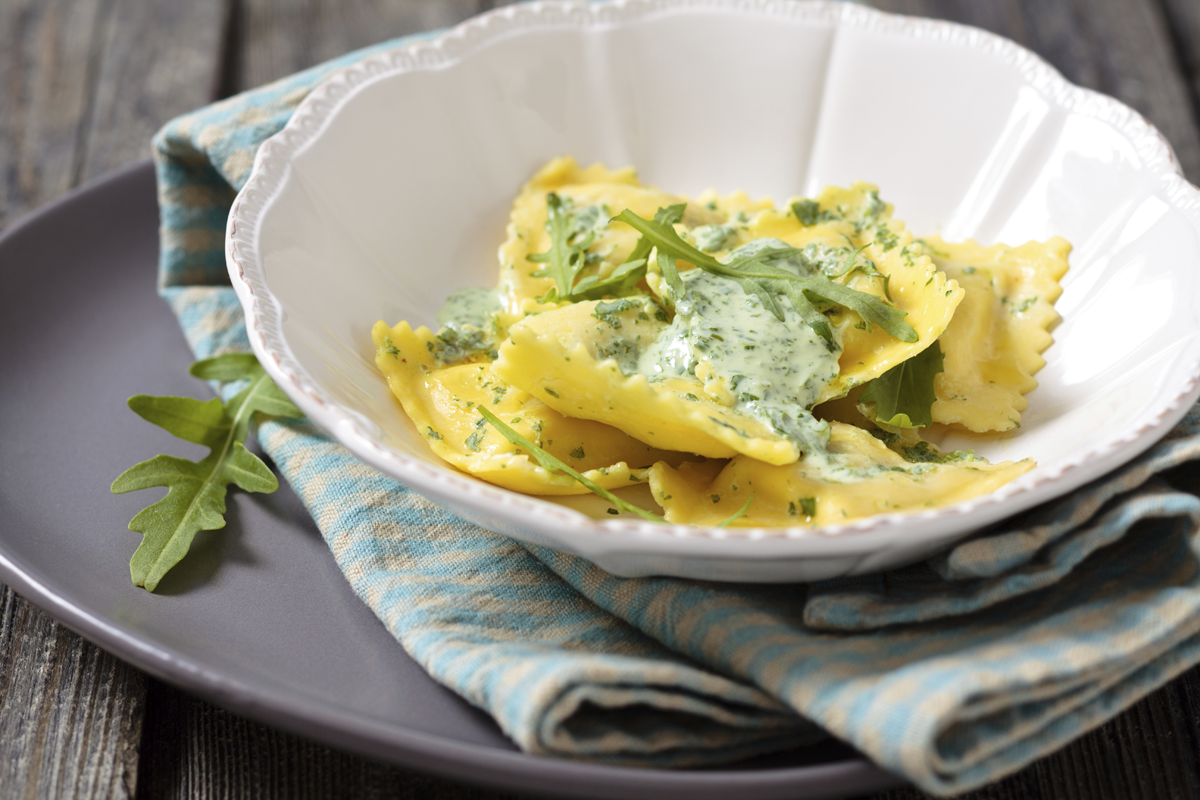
[[474, 306], [711, 238], [775, 369], [468, 326]]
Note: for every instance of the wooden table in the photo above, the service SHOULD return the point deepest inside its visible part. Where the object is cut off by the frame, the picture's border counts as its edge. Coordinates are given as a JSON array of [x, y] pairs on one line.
[[83, 86]]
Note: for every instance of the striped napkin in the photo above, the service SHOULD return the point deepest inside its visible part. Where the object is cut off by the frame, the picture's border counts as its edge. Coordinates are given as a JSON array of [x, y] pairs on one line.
[[952, 673]]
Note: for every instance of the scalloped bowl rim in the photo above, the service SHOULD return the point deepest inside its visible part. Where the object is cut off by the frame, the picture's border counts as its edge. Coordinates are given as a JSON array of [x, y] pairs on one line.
[[263, 314]]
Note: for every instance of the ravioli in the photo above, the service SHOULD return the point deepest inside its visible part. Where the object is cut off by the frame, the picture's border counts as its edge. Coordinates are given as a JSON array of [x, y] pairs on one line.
[[640, 337], [993, 345], [439, 400], [566, 351], [595, 187], [570, 358], [910, 280], [882, 482]]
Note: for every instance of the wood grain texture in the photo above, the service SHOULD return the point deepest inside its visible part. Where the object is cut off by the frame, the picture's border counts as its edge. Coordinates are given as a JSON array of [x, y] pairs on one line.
[[157, 60], [83, 86], [279, 38], [195, 751], [46, 90], [70, 714]]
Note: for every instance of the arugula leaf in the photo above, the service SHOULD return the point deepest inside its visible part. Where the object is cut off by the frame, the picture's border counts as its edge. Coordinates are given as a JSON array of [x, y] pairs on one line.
[[195, 498], [623, 280], [738, 514], [667, 216], [903, 396], [809, 212], [570, 237], [757, 276], [551, 463]]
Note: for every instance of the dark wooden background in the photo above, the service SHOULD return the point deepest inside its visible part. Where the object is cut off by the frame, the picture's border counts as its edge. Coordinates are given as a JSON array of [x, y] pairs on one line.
[[83, 86]]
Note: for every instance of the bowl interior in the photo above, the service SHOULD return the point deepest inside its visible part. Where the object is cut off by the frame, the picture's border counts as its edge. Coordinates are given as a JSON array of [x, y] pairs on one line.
[[401, 194]]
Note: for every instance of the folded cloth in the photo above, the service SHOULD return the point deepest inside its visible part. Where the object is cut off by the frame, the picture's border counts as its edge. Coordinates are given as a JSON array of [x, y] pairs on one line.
[[953, 673]]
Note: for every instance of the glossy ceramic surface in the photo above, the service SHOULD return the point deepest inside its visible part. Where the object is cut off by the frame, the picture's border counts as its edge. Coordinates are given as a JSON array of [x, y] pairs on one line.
[[258, 618], [382, 196]]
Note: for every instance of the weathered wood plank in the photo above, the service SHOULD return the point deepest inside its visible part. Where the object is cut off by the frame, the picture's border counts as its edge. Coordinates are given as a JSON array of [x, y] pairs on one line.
[[157, 60], [83, 85], [44, 95], [1183, 24], [195, 751], [279, 38], [70, 714]]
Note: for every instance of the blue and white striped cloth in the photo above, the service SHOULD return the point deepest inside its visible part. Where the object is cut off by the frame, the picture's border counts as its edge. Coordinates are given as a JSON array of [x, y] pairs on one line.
[[952, 673]]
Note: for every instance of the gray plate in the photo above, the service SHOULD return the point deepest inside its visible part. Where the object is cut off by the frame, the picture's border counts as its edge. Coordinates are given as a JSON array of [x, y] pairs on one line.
[[257, 618]]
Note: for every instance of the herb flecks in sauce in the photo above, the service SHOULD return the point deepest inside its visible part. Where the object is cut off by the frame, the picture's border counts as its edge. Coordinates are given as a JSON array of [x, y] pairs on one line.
[[707, 298], [728, 339], [474, 306]]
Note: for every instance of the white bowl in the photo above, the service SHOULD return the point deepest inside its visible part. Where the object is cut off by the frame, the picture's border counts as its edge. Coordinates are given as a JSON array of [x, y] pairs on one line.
[[390, 187]]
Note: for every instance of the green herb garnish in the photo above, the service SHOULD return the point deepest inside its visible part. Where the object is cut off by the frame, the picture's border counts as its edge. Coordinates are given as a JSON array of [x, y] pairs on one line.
[[570, 236], [624, 279], [809, 213], [738, 514], [711, 238], [571, 233], [757, 276], [454, 345], [608, 311], [1025, 305], [551, 463], [195, 498], [886, 238], [567, 257], [925, 453], [903, 396]]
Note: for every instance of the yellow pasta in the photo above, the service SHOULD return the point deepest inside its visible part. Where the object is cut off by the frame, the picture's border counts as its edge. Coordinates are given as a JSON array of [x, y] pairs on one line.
[[439, 400], [560, 357], [994, 346], [794, 494], [753, 364], [915, 285]]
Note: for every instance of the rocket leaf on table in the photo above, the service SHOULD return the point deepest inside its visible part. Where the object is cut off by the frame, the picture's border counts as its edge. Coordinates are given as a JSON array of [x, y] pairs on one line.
[[195, 498]]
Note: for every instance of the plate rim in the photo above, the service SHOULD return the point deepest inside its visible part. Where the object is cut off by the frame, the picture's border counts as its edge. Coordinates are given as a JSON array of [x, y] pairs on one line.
[[346, 731]]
